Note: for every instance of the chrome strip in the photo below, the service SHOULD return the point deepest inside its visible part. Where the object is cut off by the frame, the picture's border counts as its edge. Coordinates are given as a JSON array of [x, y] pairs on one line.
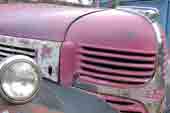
[[158, 33], [149, 12], [17, 51]]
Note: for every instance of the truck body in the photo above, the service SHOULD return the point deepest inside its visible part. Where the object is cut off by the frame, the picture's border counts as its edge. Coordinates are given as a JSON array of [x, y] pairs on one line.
[[114, 54]]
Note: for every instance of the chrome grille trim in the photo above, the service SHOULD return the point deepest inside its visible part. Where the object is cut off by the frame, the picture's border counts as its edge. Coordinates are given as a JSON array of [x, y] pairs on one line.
[[8, 50], [45, 53]]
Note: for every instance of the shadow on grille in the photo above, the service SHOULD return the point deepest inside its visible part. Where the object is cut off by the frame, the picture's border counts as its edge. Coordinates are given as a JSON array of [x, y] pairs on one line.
[[115, 67]]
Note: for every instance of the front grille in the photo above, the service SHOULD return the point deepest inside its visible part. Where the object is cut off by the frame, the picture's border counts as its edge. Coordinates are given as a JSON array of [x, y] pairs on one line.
[[7, 50], [115, 67]]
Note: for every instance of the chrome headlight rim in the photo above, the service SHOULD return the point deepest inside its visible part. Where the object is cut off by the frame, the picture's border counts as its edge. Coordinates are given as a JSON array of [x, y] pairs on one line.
[[10, 61]]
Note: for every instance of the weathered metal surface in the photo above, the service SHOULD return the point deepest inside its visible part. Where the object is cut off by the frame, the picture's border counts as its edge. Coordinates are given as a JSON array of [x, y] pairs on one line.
[[46, 53], [151, 95]]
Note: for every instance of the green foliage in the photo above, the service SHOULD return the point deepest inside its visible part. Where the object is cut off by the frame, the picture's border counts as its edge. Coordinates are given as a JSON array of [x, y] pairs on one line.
[[115, 3]]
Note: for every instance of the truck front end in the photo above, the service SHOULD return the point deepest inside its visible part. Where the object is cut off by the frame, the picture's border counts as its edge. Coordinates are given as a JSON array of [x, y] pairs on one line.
[[115, 54], [119, 56]]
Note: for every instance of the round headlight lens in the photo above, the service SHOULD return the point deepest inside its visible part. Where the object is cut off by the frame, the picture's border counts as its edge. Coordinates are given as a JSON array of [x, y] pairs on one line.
[[19, 79]]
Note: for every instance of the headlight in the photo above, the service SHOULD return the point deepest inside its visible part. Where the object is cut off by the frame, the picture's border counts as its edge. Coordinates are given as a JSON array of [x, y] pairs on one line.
[[20, 79]]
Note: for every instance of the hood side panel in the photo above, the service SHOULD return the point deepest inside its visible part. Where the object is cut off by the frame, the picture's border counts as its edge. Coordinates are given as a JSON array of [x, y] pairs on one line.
[[40, 21]]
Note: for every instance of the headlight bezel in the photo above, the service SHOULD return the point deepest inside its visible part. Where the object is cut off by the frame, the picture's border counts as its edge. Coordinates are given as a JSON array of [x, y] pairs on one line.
[[10, 61], [45, 53]]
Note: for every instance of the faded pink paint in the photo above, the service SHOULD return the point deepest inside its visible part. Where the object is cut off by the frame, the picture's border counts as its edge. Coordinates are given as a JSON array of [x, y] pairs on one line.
[[103, 30], [38, 21]]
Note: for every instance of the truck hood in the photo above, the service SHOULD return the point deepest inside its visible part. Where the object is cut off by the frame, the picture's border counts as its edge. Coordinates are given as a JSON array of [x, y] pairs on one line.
[[39, 21]]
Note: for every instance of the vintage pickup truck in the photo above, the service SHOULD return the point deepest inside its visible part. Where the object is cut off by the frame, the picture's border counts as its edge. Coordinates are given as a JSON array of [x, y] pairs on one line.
[[117, 55]]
